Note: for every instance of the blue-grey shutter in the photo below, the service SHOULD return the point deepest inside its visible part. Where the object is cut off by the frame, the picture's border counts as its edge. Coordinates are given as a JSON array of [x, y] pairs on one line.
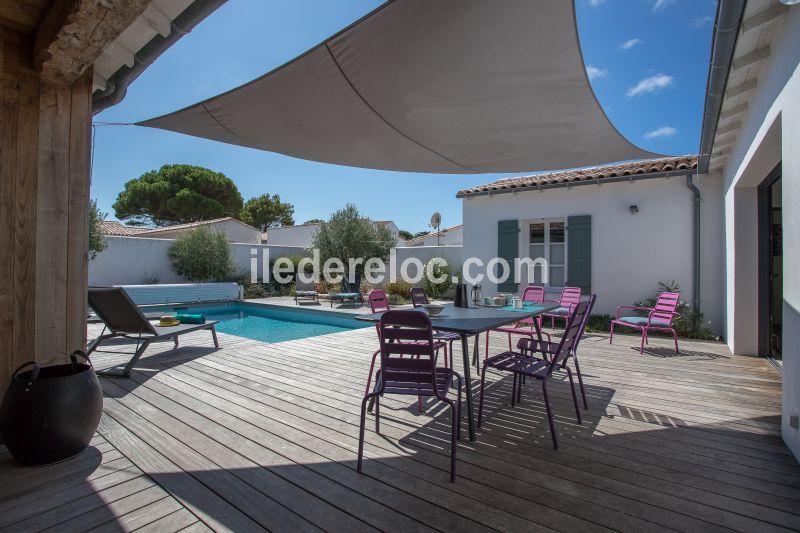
[[579, 252], [508, 249]]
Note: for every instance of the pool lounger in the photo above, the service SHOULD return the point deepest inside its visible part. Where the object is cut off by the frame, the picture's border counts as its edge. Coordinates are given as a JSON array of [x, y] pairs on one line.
[[122, 318]]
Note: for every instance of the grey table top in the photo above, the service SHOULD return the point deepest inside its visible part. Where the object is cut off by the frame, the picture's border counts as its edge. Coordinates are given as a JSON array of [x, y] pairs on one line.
[[469, 321]]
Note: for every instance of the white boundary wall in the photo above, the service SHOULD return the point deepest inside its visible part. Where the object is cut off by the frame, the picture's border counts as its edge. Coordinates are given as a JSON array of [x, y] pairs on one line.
[[137, 260], [454, 254]]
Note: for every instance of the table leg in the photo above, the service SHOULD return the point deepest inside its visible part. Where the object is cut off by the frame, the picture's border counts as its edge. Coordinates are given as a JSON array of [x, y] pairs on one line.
[[468, 385]]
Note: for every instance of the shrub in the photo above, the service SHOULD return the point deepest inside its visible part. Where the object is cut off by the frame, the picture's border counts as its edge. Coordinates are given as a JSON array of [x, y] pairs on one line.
[[688, 322], [440, 268], [399, 288], [255, 290], [599, 323], [97, 241], [396, 299], [324, 287], [202, 255]]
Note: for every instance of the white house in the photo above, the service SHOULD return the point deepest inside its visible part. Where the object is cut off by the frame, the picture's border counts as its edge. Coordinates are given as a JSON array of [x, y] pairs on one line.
[[724, 225], [301, 235], [235, 230], [751, 139], [615, 230], [453, 236]]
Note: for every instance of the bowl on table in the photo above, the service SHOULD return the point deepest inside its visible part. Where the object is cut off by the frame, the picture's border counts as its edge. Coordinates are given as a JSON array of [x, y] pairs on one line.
[[433, 309]]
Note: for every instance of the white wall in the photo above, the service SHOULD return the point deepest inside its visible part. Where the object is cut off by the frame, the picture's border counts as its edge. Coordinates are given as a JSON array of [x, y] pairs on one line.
[[301, 236], [234, 231], [770, 133], [138, 260], [453, 254], [630, 253]]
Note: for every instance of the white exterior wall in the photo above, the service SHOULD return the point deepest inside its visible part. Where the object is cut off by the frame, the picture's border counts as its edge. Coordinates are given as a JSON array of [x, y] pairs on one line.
[[630, 253], [137, 260], [234, 231], [453, 254], [770, 133], [301, 236]]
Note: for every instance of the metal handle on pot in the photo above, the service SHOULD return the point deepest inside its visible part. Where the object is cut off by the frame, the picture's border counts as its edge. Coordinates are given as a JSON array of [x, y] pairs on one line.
[[74, 357], [34, 373]]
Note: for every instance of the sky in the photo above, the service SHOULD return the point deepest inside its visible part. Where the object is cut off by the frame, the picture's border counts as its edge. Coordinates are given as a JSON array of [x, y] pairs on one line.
[[647, 61]]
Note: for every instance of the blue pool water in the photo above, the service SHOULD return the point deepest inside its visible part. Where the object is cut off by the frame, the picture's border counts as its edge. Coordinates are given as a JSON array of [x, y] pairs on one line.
[[271, 323]]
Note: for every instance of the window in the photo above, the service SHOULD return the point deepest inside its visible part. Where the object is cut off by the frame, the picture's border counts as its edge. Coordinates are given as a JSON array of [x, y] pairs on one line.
[[548, 239]]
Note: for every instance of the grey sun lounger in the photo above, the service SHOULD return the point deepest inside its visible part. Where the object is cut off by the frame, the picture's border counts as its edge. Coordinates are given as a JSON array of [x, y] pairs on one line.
[[122, 318], [305, 291]]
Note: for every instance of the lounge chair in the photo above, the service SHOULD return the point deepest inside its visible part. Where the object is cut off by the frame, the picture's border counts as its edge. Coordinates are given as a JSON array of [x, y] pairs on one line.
[[122, 318], [305, 291], [351, 292]]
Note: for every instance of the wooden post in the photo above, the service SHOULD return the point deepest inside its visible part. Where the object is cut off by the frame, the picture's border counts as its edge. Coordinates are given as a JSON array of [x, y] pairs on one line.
[[45, 139]]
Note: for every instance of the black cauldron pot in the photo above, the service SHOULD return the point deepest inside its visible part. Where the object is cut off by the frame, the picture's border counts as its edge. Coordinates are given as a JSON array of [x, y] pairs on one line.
[[51, 413]]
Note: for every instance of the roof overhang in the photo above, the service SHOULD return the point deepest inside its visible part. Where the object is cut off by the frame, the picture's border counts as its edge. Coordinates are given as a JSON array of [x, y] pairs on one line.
[[742, 34], [451, 86], [160, 26]]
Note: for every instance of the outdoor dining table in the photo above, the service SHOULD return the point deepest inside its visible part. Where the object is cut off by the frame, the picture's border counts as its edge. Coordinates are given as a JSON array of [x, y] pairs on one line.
[[473, 321]]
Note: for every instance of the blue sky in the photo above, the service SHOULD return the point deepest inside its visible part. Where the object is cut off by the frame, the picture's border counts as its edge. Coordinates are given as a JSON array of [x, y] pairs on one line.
[[648, 60]]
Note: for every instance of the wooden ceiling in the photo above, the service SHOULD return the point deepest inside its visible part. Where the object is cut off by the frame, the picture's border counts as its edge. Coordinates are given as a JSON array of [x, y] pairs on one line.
[[23, 15]]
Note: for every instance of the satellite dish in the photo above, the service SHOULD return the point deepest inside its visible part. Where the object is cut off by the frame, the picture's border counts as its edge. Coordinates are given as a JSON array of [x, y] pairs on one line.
[[436, 220]]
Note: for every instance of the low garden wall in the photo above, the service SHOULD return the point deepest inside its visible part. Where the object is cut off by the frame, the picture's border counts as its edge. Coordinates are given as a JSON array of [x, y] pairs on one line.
[[139, 260]]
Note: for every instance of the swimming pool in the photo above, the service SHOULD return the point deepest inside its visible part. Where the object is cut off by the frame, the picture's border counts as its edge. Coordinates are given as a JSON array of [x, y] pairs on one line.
[[270, 323]]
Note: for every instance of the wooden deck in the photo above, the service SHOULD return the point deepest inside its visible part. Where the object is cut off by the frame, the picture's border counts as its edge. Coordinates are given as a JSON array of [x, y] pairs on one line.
[[263, 436]]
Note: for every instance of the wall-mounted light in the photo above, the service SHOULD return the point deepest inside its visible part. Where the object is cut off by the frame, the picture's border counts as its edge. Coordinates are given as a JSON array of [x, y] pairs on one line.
[[634, 209], [790, 2]]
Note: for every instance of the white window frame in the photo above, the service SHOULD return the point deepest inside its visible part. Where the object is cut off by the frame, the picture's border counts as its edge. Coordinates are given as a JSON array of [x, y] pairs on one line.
[[525, 245]]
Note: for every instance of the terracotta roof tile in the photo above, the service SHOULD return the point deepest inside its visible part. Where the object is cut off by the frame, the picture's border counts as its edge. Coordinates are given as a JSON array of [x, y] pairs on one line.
[[652, 166], [115, 229]]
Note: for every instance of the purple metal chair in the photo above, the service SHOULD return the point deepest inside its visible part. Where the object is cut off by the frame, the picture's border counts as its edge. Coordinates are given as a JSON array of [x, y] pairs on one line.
[[379, 303], [410, 333], [523, 365], [531, 348], [533, 294], [659, 318], [420, 298], [570, 297]]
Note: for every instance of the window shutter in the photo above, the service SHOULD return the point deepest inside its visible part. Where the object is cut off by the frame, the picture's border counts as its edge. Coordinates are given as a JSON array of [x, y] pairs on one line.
[[579, 252], [508, 249]]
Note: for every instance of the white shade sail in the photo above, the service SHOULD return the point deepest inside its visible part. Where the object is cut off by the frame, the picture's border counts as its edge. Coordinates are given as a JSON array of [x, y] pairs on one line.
[[443, 86]]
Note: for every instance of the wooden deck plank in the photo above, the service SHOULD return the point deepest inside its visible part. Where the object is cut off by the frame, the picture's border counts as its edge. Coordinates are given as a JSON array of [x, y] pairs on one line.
[[204, 439], [178, 521], [213, 510]]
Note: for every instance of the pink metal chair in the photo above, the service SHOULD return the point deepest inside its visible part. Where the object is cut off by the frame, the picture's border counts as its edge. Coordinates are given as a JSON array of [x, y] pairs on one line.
[[570, 297], [659, 318], [525, 327]]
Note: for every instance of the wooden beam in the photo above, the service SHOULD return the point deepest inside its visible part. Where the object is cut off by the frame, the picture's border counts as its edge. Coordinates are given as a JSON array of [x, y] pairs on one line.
[[75, 32], [748, 59], [733, 126], [742, 88], [763, 17], [733, 111], [23, 16]]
